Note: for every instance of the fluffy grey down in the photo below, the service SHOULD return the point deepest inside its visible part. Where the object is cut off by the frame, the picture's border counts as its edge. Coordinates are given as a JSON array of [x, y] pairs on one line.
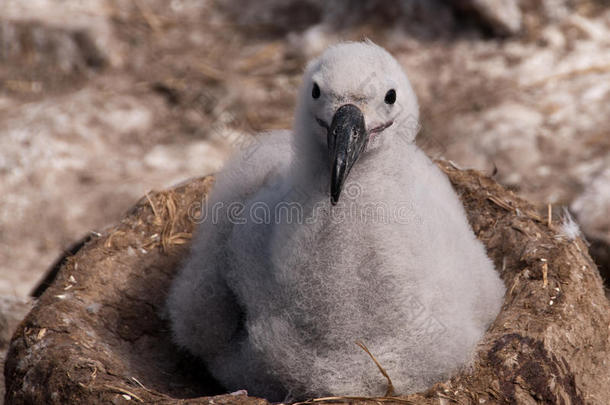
[[280, 283]]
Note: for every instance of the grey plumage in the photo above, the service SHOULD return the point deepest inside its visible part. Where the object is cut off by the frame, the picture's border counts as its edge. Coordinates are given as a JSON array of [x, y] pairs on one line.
[[281, 283]]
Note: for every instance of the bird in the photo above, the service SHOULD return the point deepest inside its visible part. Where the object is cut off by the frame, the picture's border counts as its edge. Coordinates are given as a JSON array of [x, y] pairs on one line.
[[336, 234]]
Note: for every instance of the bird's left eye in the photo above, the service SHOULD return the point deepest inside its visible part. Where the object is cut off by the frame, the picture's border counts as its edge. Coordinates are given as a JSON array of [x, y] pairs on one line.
[[390, 96]]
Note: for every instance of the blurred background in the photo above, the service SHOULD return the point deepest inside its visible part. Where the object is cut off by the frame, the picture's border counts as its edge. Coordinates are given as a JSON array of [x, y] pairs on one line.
[[104, 100]]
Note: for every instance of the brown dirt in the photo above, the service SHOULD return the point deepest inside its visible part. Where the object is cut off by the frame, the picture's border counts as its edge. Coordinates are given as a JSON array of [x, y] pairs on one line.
[[97, 334]]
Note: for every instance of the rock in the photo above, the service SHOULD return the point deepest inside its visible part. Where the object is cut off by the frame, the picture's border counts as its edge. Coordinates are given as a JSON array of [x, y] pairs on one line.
[[98, 333]]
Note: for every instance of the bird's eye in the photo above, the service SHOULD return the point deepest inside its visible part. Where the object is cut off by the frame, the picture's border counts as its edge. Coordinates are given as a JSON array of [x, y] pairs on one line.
[[390, 96], [315, 91]]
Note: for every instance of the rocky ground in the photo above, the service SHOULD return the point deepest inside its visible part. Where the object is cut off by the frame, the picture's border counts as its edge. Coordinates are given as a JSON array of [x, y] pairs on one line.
[[103, 100]]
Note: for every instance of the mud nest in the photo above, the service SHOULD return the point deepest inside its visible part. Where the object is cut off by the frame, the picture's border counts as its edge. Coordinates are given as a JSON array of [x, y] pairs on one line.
[[98, 335]]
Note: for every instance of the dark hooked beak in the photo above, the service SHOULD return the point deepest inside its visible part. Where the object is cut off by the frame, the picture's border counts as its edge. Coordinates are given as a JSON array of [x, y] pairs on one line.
[[347, 137]]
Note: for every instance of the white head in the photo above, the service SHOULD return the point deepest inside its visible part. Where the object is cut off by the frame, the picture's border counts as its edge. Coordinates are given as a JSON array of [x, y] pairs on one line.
[[352, 93]]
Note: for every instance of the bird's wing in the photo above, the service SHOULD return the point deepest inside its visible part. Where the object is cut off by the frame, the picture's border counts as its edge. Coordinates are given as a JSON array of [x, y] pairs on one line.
[[199, 296]]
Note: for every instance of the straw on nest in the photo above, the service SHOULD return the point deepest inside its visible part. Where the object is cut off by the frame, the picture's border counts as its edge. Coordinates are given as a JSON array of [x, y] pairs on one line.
[[97, 335]]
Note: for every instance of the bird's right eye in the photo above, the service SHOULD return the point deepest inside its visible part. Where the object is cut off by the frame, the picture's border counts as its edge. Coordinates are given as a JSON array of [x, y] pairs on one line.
[[315, 91]]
